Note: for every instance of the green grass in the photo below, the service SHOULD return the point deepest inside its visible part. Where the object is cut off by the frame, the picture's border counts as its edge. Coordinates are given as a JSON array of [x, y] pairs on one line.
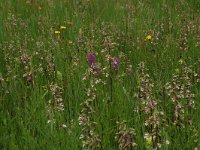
[[39, 68]]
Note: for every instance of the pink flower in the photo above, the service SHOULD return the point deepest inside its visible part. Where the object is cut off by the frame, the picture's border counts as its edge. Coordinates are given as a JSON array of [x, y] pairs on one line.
[[115, 63], [91, 58]]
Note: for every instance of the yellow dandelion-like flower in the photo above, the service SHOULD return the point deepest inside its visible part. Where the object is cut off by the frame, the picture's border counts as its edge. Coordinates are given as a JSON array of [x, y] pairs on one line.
[[62, 27], [148, 37], [181, 61], [57, 32]]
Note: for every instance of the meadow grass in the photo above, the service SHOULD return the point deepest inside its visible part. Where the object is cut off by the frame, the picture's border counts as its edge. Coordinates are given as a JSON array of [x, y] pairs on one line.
[[99, 74]]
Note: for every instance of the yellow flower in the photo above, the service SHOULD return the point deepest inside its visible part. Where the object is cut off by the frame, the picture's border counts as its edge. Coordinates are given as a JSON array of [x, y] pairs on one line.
[[57, 32], [181, 61], [62, 27], [148, 37], [148, 138]]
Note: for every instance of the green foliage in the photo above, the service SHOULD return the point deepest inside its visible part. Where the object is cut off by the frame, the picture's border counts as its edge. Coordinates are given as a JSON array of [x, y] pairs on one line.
[[46, 80]]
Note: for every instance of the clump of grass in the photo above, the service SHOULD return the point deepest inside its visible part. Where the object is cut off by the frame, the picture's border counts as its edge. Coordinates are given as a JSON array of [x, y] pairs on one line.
[[69, 71]]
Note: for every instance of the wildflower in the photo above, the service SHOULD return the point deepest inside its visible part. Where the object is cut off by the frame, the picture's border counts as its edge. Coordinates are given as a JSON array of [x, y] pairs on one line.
[[91, 58], [62, 27], [148, 37], [57, 32], [125, 137], [148, 138], [114, 62]]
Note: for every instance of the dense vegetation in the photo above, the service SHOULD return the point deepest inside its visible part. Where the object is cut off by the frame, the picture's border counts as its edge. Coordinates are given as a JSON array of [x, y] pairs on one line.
[[100, 74]]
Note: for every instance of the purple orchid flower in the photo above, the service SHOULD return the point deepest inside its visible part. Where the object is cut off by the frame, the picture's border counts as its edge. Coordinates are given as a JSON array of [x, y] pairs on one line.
[[91, 58]]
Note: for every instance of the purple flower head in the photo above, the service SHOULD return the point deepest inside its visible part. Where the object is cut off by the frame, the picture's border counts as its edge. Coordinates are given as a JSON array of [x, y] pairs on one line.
[[114, 63], [91, 58]]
